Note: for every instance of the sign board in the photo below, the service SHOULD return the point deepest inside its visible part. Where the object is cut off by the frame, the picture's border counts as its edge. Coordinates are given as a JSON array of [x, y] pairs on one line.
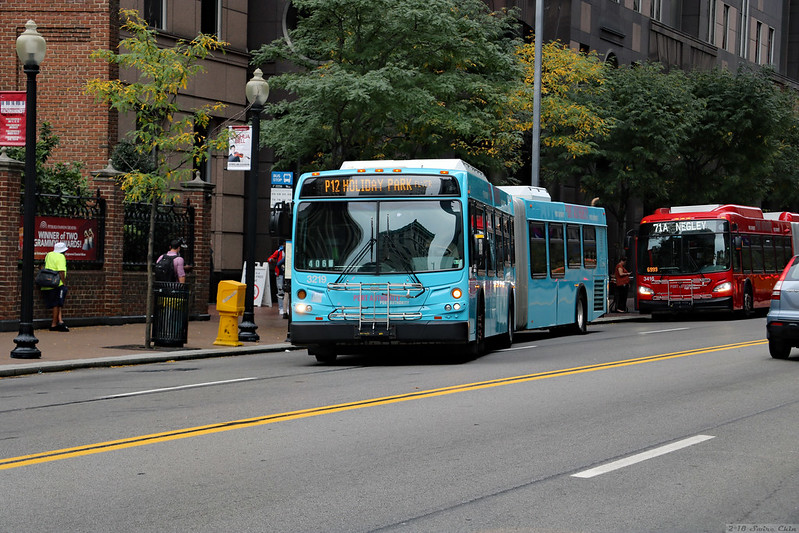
[[262, 292], [282, 178], [279, 194], [12, 118], [239, 148], [77, 233]]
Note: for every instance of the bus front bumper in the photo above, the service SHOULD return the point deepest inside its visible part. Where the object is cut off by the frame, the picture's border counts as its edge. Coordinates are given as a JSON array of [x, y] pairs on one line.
[[663, 306], [418, 331]]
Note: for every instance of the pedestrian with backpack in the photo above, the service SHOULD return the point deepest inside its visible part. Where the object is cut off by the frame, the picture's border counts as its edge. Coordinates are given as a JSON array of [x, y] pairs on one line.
[[170, 266]]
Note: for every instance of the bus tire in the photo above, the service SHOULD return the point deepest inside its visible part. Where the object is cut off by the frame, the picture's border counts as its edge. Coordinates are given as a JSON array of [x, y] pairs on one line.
[[478, 346], [507, 338], [323, 354], [779, 349], [580, 325], [748, 309]]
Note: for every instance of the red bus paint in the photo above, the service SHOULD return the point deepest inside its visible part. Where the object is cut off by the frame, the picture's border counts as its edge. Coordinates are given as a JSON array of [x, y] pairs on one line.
[[712, 257]]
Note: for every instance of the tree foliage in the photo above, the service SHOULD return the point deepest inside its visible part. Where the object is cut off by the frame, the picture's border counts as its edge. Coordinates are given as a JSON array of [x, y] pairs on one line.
[[164, 132], [58, 178], [570, 81], [387, 79]]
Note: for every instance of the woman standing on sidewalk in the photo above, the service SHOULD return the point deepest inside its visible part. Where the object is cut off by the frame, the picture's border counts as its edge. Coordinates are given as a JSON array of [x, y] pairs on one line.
[[622, 283]]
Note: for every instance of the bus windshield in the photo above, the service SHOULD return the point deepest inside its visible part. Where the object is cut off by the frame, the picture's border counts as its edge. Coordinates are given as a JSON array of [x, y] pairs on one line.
[[379, 237], [684, 247]]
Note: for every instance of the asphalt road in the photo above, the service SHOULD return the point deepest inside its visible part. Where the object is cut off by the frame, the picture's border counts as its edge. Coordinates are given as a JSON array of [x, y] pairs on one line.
[[683, 425]]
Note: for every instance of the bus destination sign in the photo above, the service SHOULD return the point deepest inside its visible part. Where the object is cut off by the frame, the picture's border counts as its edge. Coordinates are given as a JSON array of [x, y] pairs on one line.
[[379, 185], [687, 226]]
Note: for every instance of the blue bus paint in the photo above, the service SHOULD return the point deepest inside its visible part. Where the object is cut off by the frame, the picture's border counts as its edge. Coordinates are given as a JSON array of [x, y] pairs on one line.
[[430, 252]]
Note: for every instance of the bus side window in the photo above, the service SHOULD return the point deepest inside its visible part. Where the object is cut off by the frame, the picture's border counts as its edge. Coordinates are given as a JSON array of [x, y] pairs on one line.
[[757, 253], [538, 250], [557, 263], [573, 251], [769, 260], [746, 253], [589, 246]]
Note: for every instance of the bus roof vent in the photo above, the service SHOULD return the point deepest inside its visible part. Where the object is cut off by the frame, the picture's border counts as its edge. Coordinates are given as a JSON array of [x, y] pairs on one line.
[[527, 192], [440, 164]]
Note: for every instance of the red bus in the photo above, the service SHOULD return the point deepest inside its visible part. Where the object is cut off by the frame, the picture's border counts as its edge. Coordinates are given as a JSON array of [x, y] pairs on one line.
[[712, 257]]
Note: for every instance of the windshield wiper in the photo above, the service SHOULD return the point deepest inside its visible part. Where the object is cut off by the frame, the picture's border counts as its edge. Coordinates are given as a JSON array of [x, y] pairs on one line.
[[404, 257], [355, 262]]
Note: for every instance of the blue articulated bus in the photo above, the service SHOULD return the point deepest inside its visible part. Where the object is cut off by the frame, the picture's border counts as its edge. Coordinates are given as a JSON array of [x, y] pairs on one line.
[[430, 252]]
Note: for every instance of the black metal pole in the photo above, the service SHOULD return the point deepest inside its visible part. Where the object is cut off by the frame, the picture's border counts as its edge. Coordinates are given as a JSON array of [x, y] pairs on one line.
[[26, 341], [247, 327]]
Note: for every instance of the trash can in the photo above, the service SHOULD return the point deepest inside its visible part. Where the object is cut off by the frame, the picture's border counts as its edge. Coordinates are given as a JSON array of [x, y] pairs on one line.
[[170, 314]]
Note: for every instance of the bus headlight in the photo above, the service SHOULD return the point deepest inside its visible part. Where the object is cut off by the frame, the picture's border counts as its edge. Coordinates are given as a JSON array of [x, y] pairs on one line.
[[722, 287], [302, 308], [645, 291]]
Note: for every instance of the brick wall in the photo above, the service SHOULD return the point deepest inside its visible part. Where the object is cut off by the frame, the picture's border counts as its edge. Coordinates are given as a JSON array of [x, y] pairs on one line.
[[106, 296], [72, 31]]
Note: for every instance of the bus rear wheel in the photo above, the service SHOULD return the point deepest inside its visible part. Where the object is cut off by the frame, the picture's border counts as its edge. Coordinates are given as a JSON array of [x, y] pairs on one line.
[[580, 325]]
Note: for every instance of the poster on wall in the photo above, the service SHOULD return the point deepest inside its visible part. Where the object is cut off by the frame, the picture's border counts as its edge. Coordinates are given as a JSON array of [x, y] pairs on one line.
[[239, 148], [12, 118], [77, 233]]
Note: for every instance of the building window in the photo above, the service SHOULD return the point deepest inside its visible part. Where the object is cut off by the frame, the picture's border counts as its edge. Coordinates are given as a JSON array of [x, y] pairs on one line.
[[210, 16], [711, 22], [770, 47], [657, 10], [743, 30], [725, 27], [637, 6], [155, 13], [758, 41]]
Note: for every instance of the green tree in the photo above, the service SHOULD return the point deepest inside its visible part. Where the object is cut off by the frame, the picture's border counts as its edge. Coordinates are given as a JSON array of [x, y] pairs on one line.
[[165, 133], [651, 114], [57, 179], [728, 155], [387, 79], [784, 192]]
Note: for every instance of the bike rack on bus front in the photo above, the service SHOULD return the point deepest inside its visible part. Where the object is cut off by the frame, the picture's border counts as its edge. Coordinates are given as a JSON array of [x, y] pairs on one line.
[[369, 296]]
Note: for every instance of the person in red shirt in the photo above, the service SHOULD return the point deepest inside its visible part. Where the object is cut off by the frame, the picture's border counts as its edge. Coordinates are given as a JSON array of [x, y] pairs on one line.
[[278, 258], [622, 284]]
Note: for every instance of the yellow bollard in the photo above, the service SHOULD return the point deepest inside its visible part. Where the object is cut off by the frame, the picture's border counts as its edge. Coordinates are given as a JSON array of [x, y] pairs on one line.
[[230, 305]]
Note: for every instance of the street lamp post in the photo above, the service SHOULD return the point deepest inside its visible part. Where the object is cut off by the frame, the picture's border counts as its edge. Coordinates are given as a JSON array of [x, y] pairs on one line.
[[30, 50], [257, 92]]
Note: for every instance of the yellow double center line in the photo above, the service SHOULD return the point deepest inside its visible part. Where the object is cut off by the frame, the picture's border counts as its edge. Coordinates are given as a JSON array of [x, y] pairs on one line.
[[142, 440]]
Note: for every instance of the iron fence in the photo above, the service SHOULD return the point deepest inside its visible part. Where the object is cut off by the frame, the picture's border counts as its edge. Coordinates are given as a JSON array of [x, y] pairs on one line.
[[172, 221]]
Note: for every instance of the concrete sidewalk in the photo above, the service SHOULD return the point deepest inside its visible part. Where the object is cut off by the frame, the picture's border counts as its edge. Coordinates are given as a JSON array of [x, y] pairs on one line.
[[92, 346], [97, 346]]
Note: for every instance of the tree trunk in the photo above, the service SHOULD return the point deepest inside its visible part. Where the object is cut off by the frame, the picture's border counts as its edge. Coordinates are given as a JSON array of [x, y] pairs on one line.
[[148, 322]]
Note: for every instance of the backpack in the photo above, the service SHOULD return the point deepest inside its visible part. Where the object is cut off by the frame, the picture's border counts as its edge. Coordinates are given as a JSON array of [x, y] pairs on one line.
[[164, 269]]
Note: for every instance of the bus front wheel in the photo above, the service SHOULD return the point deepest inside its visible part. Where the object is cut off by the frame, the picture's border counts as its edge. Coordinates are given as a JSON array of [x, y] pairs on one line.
[[478, 346], [323, 354]]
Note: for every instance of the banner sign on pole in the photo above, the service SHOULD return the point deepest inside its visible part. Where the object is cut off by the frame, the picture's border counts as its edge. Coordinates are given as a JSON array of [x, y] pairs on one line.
[[239, 148], [12, 118]]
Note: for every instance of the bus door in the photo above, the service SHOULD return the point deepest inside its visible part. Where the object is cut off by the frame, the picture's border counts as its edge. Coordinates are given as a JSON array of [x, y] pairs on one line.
[[557, 270], [542, 291]]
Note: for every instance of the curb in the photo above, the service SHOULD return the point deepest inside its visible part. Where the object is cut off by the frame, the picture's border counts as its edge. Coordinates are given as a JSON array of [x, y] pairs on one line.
[[135, 359]]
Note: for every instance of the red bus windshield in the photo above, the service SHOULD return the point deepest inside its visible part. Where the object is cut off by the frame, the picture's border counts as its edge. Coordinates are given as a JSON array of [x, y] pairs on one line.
[[684, 247]]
